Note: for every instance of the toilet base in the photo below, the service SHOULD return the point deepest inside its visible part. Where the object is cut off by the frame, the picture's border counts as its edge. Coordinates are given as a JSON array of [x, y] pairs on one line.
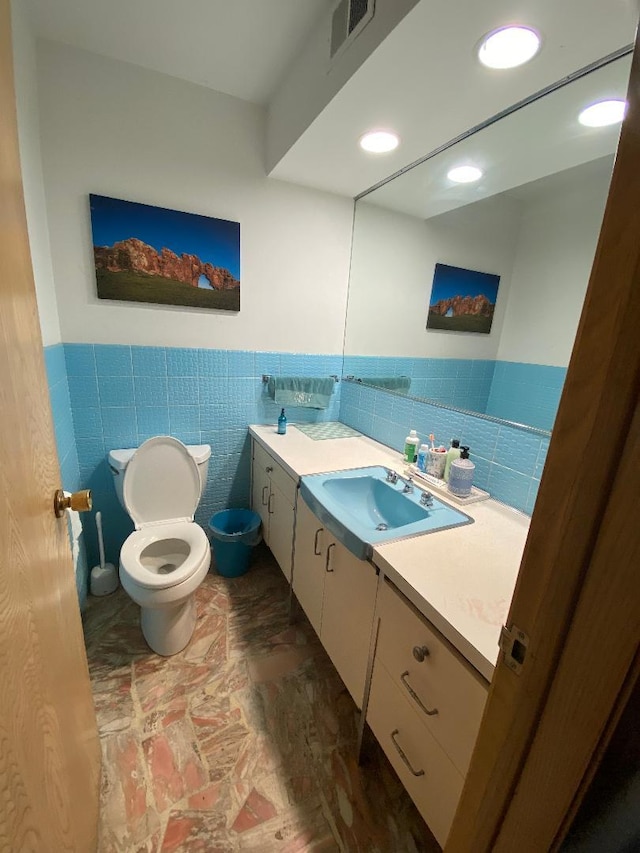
[[168, 630]]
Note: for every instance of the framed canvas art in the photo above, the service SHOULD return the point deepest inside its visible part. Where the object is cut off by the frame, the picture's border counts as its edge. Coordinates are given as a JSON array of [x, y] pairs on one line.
[[462, 300], [151, 254]]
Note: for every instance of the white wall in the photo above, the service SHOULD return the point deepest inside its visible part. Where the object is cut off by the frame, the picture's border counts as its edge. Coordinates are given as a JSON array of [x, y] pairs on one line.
[[26, 86], [553, 262], [392, 266], [115, 129]]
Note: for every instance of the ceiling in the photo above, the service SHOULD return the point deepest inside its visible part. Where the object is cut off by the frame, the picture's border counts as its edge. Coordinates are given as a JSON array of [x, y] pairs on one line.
[[239, 47], [423, 80], [544, 138]]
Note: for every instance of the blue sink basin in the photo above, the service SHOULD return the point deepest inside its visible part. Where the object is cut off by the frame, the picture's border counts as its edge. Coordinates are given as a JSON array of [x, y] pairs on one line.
[[362, 509]]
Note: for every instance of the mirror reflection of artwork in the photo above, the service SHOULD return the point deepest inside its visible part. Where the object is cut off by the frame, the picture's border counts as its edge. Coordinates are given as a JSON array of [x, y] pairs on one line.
[[151, 254], [462, 300]]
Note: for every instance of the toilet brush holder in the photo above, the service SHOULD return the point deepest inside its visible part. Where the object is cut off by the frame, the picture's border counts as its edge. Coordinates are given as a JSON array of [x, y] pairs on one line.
[[104, 578]]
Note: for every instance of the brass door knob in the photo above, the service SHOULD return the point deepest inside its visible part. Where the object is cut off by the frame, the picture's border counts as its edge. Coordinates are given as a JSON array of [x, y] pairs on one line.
[[78, 501]]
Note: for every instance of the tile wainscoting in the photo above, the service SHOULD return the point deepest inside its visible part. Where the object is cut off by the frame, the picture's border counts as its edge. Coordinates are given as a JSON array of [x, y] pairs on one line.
[[108, 396], [122, 395], [509, 460], [526, 393], [54, 359]]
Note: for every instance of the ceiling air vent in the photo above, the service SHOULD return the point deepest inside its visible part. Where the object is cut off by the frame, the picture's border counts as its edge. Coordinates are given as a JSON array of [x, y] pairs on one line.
[[350, 17]]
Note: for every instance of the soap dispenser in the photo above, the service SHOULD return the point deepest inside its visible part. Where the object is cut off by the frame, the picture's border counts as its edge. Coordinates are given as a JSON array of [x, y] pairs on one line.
[[461, 474], [282, 423]]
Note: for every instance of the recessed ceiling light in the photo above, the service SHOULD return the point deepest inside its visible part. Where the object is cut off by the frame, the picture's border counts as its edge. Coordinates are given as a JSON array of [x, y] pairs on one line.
[[508, 47], [379, 141], [464, 174], [603, 113]]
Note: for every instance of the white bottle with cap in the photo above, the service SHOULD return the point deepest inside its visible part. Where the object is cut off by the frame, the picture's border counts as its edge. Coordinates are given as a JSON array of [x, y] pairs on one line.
[[461, 474], [411, 443]]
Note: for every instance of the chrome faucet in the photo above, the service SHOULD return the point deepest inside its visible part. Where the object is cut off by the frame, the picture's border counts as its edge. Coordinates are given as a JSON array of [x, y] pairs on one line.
[[408, 487], [426, 499], [392, 477]]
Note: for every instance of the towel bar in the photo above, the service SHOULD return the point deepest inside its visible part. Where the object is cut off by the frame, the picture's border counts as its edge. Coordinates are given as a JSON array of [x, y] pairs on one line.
[[267, 376]]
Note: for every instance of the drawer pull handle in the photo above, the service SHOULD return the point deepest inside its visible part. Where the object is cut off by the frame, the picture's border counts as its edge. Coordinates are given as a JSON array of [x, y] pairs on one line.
[[269, 510], [328, 560], [269, 469], [264, 500], [429, 712], [420, 653], [402, 755], [315, 542]]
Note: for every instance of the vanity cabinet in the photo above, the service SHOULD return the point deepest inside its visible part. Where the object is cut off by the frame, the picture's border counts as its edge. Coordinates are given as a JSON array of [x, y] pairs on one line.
[[337, 591], [273, 497], [425, 708]]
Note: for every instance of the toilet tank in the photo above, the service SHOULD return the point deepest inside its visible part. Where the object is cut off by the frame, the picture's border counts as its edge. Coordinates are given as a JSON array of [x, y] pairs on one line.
[[119, 459]]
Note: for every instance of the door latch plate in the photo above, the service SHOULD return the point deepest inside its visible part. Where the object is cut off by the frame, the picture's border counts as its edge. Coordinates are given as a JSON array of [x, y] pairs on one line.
[[514, 643]]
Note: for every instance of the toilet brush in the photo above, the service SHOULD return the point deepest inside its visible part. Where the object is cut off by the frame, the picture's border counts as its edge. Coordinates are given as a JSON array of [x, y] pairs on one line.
[[104, 578]]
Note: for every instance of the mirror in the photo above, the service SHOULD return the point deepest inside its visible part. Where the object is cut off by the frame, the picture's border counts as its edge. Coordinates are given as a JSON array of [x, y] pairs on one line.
[[532, 219]]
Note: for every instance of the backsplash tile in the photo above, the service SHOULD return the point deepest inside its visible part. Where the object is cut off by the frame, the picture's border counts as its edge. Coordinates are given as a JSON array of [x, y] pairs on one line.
[[123, 395]]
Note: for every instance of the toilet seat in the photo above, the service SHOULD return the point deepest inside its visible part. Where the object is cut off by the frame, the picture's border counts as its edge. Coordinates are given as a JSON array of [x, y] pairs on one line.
[[184, 540]]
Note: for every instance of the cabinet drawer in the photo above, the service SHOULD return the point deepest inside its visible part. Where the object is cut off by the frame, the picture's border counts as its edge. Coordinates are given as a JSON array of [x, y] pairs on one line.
[[397, 726], [443, 682], [266, 463]]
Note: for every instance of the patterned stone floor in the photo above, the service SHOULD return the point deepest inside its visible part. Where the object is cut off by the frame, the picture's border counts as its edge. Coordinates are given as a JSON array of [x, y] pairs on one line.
[[243, 742]]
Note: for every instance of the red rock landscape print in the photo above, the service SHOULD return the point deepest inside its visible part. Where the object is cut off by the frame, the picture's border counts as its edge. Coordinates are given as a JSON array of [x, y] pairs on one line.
[[151, 254], [462, 300]]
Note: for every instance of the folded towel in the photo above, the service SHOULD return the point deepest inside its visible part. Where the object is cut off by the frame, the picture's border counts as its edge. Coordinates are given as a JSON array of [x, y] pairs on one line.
[[307, 391], [391, 383]]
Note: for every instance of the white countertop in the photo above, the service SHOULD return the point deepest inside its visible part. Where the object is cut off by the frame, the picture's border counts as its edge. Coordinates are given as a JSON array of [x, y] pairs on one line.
[[461, 579]]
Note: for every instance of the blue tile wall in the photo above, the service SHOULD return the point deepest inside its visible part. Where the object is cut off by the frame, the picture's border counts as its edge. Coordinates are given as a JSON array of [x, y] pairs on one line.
[[122, 395], [527, 393], [59, 393], [461, 382], [509, 460]]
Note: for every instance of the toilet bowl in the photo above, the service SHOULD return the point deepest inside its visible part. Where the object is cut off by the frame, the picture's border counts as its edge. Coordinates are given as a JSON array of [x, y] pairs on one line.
[[167, 557]]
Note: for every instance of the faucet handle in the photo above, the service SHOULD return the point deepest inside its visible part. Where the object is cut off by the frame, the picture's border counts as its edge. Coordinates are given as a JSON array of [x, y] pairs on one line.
[[392, 477], [426, 499]]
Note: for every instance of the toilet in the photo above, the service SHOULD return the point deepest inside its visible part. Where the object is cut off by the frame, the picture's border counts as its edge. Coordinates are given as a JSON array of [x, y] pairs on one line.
[[167, 557]]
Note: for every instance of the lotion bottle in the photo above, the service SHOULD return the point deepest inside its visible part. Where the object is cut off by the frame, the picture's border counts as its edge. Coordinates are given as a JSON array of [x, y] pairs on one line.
[[461, 474], [423, 455], [282, 423], [452, 453], [411, 443]]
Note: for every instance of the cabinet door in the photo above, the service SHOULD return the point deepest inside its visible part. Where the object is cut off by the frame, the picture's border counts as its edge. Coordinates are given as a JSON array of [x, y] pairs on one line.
[[308, 563], [281, 516], [260, 497], [347, 616]]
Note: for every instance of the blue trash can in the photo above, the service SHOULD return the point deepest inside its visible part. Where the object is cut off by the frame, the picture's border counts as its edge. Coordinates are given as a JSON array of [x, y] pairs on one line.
[[234, 534]]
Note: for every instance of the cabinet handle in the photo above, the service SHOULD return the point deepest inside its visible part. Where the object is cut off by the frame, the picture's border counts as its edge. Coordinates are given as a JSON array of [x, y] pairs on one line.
[[414, 696], [327, 561], [315, 542], [269, 510], [402, 754], [264, 499], [269, 469]]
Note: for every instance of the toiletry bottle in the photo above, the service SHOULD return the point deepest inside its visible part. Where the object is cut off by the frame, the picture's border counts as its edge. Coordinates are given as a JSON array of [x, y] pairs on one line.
[[452, 453], [461, 474], [282, 423], [411, 443], [423, 453]]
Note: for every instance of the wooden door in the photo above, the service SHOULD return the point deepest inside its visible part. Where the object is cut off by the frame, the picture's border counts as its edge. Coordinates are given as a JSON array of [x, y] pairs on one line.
[[308, 563], [577, 595], [49, 750]]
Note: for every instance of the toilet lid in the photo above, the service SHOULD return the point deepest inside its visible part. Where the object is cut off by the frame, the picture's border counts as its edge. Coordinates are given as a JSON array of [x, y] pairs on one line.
[[161, 483]]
